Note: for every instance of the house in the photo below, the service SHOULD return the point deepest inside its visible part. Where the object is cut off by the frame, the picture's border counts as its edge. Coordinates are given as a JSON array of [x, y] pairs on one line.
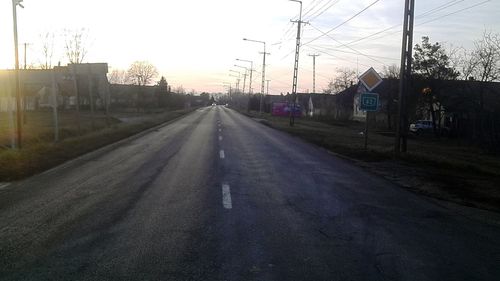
[[460, 105], [36, 86]]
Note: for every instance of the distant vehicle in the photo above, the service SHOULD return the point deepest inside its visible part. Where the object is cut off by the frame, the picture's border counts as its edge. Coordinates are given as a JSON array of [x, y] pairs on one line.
[[213, 104], [421, 126], [425, 126]]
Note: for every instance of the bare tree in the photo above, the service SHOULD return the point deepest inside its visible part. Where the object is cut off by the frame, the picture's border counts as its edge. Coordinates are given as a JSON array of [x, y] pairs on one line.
[[391, 71], [180, 90], [485, 58], [75, 45], [47, 49], [345, 78], [118, 76], [465, 61], [142, 73]]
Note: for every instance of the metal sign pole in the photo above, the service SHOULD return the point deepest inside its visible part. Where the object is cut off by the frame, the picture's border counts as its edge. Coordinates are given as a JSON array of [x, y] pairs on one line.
[[366, 130]]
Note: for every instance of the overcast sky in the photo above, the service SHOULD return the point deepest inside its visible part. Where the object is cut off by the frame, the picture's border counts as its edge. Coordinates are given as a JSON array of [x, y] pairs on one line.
[[194, 43]]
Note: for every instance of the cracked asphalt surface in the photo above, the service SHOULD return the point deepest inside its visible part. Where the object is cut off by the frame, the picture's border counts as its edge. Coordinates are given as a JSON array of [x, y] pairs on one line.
[[152, 208]]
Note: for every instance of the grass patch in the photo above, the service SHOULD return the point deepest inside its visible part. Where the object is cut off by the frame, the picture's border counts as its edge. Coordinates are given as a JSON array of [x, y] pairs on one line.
[[40, 153]]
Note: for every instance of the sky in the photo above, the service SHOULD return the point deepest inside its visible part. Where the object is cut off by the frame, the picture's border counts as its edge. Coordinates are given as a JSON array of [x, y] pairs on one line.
[[195, 43]]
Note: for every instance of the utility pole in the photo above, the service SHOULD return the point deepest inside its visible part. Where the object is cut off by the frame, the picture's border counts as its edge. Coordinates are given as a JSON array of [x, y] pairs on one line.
[[75, 88], [25, 46], [24, 101], [251, 71], [90, 86], [244, 76], [267, 91], [244, 80], [263, 77], [400, 144], [19, 128], [314, 71], [54, 106], [263, 70], [296, 64], [237, 79]]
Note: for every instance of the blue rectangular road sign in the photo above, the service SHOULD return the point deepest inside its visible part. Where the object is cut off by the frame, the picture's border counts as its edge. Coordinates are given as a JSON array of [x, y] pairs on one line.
[[368, 102]]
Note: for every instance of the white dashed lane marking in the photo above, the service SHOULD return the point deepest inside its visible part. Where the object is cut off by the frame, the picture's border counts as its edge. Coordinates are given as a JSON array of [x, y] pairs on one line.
[[220, 138], [221, 154], [226, 196]]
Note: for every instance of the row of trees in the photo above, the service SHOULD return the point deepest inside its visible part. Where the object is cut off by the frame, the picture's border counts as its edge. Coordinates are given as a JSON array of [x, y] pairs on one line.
[[140, 73]]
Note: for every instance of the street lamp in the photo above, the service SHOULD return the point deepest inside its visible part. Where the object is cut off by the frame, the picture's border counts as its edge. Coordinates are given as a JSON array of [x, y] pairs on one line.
[[263, 69], [251, 71], [16, 3]]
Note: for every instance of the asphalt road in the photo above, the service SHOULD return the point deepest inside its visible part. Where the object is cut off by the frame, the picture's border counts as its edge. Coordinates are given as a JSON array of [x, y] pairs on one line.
[[218, 196]]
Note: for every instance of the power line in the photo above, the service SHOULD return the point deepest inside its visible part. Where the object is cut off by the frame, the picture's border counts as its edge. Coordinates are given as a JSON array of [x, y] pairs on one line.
[[358, 52], [316, 15], [455, 12], [334, 56], [440, 8], [344, 22], [312, 6], [418, 16], [355, 53]]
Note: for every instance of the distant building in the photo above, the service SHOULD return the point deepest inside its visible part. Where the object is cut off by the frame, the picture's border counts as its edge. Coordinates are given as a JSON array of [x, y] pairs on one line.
[[37, 84]]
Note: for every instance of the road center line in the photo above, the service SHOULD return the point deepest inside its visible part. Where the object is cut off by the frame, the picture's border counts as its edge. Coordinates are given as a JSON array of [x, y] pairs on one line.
[[226, 197], [220, 130], [220, 138], [221, 154]]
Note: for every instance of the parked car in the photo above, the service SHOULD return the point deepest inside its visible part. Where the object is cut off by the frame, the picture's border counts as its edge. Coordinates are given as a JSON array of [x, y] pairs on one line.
[[425, 126], [421, 126]]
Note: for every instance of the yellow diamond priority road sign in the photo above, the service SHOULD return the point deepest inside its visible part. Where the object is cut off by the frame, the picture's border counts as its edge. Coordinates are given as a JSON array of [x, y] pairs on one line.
[[370, 79]]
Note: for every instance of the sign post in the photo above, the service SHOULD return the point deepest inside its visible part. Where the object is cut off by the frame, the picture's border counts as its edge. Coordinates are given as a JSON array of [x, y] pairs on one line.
[[369, 101]]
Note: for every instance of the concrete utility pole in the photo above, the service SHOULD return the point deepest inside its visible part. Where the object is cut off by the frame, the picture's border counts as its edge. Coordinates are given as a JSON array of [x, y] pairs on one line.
[[314, 71], [238, 78], [400, 144], [244, 76], [25, 46], [19, 128], [267, 91], [251, 71], [90, 86], [263, 69], [228, 85], [296, 64], [75, 87], [54, 107]]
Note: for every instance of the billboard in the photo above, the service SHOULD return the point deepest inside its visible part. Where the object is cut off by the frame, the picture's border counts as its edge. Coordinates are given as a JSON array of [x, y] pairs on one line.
[[283, 109]]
